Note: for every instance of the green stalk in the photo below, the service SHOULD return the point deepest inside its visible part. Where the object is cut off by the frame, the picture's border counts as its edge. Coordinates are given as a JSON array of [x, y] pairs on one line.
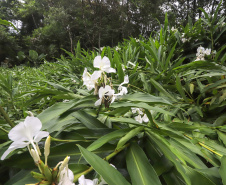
[[5, 115], [68, 141], [4, 130]]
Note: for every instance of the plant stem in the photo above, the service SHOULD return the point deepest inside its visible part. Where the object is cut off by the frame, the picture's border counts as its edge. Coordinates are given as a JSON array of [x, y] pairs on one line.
[[206, 147], [136, 87], [66, 141], [4, 130], [5, 115], [106, 158]]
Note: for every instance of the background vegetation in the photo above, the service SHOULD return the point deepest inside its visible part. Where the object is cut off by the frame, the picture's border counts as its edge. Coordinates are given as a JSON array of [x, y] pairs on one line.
[[48, 26]]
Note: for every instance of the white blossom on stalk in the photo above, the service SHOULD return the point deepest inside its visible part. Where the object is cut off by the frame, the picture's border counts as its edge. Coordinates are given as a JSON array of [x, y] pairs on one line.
[[174, 29], [208, 51], [137, 110], [103, 64], [105, 91], [201, 50], [145, 118], [83, 181], [123, 90], [66, 177], [25, 133], [88, 81], [138, 118]]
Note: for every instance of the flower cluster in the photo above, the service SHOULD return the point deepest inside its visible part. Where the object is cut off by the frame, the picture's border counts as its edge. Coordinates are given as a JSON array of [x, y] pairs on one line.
[[141, 117], [174, 29], [25, 134], [28, 134], [117, 48], [202, 52], [183, 39], [99, 81]]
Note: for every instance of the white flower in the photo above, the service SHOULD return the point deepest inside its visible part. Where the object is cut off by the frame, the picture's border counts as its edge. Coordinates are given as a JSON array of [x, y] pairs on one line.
[[137, 110], [126, 80], [117, 48], [139, 118], [105, 91], [183, 40], [88, 80], [25, 133], [66, 177], [173, 29], [208, 51], [145, 118], [201, 50], [123, 90], [83, 181], [103, 64], [134, 110]]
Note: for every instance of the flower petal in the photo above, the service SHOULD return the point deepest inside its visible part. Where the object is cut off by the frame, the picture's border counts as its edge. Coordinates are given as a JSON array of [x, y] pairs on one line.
[[33, 125], [96, 75], [97, 62], [109, 70], [145, 118], [101, 92], [106, 62], [83, 181], [18, 133], [138, 118], [98, 102], [13, 146], [40, 135]]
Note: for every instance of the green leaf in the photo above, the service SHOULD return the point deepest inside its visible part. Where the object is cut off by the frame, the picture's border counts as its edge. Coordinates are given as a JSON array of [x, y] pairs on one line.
[[140, 169], [170, 153], [54, 111], [109, 173], [222, 169], [128, 136], [161, 89], [33, 54], [222, 137], [169, 57], [88, 120], [106, 138], [197, 177], [147, 98], [220, 120], [180, 89], [140, 105], [21, 178], [6, 23]]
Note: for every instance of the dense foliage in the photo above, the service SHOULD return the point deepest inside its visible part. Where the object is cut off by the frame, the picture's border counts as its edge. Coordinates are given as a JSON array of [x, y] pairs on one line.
[[48, 26], [169, 128]]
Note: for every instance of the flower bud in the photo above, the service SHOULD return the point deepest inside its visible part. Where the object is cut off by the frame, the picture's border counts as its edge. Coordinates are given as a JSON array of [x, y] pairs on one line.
[[35, 156], [47, 148], [65, 163]]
